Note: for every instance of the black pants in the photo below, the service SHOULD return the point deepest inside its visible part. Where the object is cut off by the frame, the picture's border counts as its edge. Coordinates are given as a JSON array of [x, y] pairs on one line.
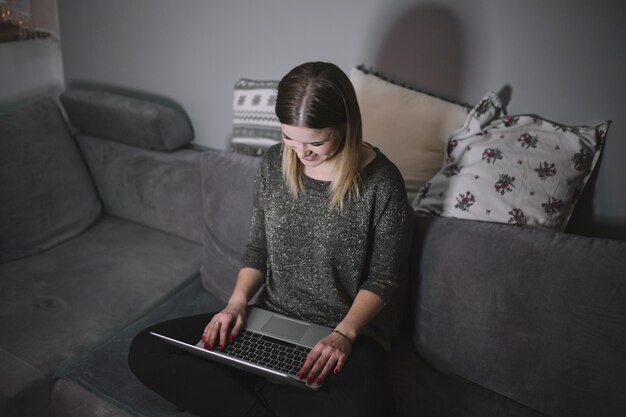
[[205, 388]]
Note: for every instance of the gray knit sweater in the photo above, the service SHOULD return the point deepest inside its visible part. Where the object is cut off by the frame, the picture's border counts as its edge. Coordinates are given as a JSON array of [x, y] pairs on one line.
[[315, 258]]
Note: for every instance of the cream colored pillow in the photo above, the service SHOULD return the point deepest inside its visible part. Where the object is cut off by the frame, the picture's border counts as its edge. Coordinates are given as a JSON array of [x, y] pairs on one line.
[[409, 127]]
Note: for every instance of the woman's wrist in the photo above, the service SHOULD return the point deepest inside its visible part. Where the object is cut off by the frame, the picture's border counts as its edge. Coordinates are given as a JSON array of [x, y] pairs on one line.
[[346, 330], [343, 335], [249, 280], [237, 301]]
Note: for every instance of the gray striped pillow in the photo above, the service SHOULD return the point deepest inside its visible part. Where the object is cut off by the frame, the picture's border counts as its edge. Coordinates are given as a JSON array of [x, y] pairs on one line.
[[255, 125]]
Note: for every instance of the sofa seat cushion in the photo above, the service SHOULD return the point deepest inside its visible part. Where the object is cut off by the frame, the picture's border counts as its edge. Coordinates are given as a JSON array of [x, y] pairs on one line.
[[540, 319], [100, 382], [423, 391], [46, 192], [76, 295]]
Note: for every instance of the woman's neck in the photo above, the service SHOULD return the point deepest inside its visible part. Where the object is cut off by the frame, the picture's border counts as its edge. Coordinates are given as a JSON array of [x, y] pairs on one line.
[[323, 172], [326, 171]]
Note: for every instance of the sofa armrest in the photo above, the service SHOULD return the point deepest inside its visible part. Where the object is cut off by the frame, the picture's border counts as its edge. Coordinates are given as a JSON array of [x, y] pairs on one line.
[[158, 189]]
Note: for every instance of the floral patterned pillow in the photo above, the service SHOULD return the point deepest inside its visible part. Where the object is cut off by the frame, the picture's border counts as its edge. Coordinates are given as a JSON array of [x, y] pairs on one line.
[[521, 170]]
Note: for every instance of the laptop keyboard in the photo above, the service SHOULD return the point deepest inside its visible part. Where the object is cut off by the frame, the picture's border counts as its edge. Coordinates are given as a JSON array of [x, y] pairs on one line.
[[268, 351]]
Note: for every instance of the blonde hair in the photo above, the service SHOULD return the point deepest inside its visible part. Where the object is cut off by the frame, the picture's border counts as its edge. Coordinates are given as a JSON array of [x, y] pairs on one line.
[[319, 95]]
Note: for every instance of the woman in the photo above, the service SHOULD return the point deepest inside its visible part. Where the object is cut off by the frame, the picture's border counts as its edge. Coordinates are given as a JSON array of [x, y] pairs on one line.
[[330, 227]]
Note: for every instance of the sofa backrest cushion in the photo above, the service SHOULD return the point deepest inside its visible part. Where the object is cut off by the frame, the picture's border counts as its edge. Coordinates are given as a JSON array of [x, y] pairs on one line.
[[537, 316], [227, 191], [47, 195], [127, 120], [157, 189]]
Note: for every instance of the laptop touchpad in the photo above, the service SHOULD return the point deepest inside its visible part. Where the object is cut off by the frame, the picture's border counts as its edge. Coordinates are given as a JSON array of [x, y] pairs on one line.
[[282, 326]]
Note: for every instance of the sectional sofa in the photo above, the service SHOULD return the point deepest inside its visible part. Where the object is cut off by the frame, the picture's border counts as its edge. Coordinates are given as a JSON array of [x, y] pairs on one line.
[[114, 221]]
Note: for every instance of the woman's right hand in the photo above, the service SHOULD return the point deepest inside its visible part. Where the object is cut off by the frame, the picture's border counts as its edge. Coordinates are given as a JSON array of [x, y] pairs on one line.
[[224, 326]]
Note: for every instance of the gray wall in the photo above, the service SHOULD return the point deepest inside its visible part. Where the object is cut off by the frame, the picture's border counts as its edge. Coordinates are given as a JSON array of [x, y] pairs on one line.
[[563, 59], [29, 69]]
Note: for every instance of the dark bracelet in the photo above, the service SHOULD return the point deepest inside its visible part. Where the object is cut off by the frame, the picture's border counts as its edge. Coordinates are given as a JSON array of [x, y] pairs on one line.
[[341, 334]]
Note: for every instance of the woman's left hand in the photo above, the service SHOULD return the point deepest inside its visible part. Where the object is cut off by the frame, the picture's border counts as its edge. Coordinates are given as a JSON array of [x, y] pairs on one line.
[[328, 355]]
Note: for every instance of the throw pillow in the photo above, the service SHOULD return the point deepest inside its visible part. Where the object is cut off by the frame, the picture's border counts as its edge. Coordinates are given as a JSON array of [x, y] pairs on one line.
[[255, 125], [521, 170], [410, 127]]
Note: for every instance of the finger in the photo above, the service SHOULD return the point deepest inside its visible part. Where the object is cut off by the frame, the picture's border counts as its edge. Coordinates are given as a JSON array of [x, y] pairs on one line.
[[214, 328], [207, 329], [206, 334], [318, 366], [309, 361], [236, 328], [223, 334], [326, 370], [339, 365]]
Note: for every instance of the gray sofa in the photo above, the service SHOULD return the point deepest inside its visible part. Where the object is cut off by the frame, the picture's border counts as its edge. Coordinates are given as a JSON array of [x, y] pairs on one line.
[[123, 225], [96, 230]]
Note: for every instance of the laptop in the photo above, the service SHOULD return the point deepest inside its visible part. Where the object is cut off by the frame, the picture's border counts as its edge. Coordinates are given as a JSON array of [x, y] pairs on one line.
[[270, 345]]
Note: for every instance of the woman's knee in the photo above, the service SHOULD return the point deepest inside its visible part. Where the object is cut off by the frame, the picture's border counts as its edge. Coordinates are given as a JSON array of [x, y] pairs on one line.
[[138, 361]]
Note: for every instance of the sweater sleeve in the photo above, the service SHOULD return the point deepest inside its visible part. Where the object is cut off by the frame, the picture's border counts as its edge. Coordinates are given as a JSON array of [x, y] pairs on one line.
[[390, 241], [255, 254]]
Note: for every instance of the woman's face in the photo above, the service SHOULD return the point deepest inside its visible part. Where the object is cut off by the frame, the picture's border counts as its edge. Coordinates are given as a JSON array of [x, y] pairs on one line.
[[313, 146]]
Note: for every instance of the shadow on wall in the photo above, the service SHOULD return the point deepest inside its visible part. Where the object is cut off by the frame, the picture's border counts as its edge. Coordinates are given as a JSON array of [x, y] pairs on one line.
[[424, 48]]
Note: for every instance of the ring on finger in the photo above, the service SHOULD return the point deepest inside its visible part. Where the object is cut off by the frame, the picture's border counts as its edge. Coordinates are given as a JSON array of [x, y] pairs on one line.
[[219, 323]]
